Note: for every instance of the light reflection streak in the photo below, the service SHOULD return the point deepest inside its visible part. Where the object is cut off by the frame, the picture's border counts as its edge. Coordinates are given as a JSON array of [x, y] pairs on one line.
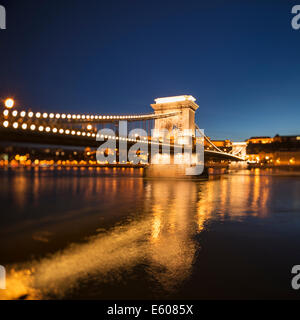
[[169, 252], [161, 238]]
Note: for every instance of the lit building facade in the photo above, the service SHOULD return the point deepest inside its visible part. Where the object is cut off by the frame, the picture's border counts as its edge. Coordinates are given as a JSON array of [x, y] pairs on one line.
[[281, 151]]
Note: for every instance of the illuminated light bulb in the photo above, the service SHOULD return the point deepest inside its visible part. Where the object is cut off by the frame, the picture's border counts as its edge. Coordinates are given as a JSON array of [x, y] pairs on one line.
[[93, 135], [78, 133], [100, 117], [89, 127], [96, 117], [23, 114], [51, 115], [74, 116], [32, 127], [73, 132], [54, 130], [63, 116], [5, 124], [24, 126], [92, 117], [88, 134], [6, 112], [104, 117], [87, 116], [45, 115], [15, 125], [9, 103], [48, 129], [15, 113], [61, 131], [84, 134], [57, 116], [30, 114], [38, 115], [83, 116], [78, 116], [69, 116], [41, 128], [67, 131]]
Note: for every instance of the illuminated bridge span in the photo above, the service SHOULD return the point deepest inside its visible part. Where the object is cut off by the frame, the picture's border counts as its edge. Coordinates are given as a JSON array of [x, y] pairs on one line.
[[81, 130]]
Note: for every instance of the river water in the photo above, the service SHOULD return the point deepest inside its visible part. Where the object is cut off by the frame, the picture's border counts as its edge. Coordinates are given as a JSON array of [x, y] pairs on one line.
[[111, 234]]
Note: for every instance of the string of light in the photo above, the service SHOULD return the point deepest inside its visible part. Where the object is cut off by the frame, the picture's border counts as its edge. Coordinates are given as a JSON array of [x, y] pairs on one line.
[[79, 133], [88, 118]]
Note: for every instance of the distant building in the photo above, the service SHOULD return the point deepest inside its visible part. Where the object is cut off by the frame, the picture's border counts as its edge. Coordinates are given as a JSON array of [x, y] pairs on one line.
[[222, 143], [260, 140], [287, 139], [277, 151]]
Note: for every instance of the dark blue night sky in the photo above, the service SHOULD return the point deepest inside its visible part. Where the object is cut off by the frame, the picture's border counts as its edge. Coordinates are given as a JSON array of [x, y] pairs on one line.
[[240, 59]]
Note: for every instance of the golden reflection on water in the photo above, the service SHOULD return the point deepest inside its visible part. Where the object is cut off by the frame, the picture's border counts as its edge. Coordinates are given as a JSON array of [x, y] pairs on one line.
[[162, 237], [171, 248]]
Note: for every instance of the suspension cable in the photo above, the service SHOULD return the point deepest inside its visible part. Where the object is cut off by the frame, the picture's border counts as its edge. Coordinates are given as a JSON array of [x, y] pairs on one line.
[[207, 139]]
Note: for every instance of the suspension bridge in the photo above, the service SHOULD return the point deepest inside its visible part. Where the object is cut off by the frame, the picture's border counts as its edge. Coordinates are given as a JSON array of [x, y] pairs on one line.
[[23, 127]]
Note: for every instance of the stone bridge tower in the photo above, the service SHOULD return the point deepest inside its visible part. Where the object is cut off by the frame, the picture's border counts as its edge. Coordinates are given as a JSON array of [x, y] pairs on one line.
[[183, 108]]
